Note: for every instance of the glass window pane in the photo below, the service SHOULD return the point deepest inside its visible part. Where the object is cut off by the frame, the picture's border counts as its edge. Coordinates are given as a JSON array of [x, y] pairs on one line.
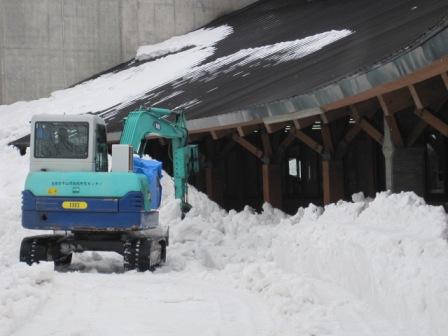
[[293, 167], [61, 140]]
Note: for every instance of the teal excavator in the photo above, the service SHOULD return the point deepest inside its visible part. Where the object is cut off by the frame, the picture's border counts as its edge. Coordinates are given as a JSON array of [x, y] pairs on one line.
[[71, 191]]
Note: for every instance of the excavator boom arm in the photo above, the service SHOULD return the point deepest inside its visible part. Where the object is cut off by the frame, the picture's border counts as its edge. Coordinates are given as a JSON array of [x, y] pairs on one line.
[[139, 124]]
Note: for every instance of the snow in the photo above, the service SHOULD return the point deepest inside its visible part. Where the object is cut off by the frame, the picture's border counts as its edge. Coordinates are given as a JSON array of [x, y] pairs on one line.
[[276, 53], [201, 38], [367, 267]]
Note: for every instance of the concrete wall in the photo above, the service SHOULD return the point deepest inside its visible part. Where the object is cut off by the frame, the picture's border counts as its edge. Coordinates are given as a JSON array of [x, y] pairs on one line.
[[47, 45]]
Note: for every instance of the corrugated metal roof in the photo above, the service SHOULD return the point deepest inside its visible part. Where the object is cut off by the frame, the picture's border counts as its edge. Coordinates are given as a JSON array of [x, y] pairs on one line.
[[383, 31]]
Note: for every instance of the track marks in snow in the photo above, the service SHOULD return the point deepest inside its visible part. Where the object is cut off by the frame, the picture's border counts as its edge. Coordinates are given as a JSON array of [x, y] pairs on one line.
[[148, 304]]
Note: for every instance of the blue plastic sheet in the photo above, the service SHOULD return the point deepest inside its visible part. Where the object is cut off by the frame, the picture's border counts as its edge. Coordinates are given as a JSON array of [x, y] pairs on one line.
[[152, 169]]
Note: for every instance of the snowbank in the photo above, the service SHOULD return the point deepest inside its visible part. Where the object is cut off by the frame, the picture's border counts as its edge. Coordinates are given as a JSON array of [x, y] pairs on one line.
[[389, 255], [368, 267]]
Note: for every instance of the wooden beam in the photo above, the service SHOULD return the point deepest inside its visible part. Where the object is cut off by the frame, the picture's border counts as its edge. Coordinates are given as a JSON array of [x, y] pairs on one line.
[[281, 148], [307, 140], [272, 128], [287, 141], [433, 121], [371, 131], [326, 137], [395, 101], [416, 97], [346, 140], [267, 148], [351, 134], [305, 122], [391, 121], [246, 130], [434, 69], [366, 126], [248, 146], [444, 76], [416, 133], [218, 134]]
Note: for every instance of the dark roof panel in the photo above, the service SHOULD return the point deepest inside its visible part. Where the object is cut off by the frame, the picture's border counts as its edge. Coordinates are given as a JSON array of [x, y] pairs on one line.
[[382, 30]]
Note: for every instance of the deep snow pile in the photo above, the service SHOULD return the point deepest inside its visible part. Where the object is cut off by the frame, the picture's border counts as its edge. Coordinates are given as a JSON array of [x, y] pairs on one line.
[[354, 268], [390, 253]]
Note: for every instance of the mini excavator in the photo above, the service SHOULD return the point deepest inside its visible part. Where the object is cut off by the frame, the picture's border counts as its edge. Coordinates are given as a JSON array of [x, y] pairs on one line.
[[71, 191]]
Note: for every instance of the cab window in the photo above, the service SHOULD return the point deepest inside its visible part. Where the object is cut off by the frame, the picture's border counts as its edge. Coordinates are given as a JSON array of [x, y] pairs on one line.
[[61, 140]]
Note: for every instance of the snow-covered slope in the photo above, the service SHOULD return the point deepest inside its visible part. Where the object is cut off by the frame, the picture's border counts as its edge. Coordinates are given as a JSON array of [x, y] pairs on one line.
[[370, 267]]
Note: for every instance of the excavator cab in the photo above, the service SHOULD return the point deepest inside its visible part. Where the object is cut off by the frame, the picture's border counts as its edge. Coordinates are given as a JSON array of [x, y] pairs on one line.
[[68, 143]]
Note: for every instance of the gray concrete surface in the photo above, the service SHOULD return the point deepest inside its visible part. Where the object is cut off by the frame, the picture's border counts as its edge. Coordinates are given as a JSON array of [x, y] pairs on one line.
[[47, 45]]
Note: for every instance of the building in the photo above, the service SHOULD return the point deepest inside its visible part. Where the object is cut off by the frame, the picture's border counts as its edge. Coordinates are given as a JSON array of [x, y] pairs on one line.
[[312, 101]]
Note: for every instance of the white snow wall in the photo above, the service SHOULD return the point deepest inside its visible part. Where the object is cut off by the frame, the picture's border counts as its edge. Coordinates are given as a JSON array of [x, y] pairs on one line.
[[391, 253], [51, 44]]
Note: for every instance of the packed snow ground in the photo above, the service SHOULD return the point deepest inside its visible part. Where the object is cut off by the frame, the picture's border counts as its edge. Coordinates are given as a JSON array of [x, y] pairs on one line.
[[369, 267]]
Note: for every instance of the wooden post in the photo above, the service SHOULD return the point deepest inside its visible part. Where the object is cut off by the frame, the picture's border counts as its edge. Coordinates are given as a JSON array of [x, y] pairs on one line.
[[332, 180], [272, 189]]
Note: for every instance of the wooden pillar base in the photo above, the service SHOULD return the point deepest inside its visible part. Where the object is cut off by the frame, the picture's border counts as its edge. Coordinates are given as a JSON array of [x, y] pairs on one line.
[[333, 180], [272, 189], [214, 185]]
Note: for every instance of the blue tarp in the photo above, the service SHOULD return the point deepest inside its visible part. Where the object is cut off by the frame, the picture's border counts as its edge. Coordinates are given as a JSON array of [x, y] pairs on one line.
[[152, 169]]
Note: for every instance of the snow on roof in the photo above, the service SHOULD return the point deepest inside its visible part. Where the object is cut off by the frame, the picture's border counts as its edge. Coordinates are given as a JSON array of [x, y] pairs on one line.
[[201, 38], [273, 58], [116, 88]]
